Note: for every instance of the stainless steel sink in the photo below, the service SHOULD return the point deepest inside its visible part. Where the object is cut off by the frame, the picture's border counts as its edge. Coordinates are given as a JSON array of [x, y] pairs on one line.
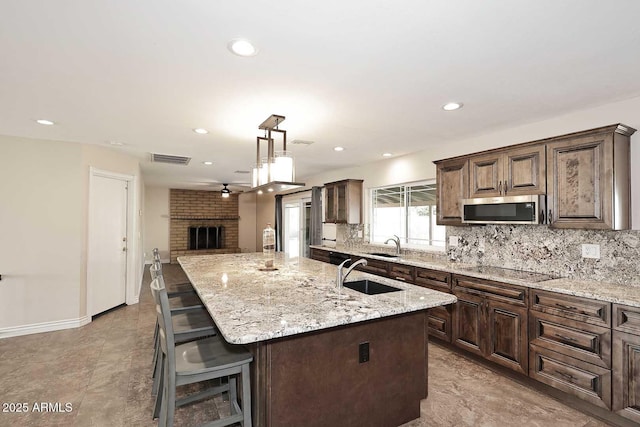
[[368, 287], [382, 254]]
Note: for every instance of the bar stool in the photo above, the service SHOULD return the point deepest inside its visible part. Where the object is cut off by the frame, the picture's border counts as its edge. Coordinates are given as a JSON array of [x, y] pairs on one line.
[[197, 361], [178, 301], [189, 323], [173, 288]]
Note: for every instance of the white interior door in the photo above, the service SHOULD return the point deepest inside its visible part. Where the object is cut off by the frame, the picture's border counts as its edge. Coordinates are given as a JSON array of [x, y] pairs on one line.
[[107, 257]]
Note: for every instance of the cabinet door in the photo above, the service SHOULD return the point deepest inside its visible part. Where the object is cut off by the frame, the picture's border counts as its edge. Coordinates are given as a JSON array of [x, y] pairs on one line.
[[330, 203], [468, 329], [524, 171], [486, 175], [439, 322], [580, 182], [506, 337], [626, 375], [452, 185], [341, 202]]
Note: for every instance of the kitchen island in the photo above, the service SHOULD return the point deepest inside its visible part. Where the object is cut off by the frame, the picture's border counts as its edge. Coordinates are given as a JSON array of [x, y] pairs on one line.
[[322, 356]]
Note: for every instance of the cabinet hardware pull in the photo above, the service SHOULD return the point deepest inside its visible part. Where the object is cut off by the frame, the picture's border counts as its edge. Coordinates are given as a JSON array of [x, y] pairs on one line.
[[401, 278], [563, 337], [500, 187], [566, 307], [550, 217], [541, 217], [505, 187]]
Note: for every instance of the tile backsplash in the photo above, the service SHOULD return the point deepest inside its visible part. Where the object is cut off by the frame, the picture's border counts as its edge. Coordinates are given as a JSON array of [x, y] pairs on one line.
[[553, 251]]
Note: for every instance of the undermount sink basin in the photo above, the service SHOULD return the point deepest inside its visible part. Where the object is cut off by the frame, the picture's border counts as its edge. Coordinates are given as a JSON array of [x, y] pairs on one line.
[[368, 287], [382, 254]]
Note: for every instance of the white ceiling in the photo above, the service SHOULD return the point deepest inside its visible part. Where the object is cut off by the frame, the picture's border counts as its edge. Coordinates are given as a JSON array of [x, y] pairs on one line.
[[367, 75]]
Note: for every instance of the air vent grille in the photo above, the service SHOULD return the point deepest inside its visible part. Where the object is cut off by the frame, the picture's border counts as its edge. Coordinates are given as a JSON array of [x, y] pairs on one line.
[[301, 142], [167, 158], [242, 172]]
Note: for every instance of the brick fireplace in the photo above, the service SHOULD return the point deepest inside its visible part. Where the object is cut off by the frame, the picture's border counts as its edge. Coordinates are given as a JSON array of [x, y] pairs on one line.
[[202, 210]]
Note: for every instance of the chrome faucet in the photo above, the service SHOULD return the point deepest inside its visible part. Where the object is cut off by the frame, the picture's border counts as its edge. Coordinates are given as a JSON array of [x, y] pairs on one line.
[[340, 277], [395, 239]]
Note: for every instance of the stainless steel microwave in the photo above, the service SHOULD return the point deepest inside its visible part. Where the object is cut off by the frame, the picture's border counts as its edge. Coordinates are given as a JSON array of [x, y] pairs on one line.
[[527, 209]]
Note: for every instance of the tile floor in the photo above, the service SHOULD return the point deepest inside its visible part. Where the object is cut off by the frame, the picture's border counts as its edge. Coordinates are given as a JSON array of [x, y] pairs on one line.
[[103, 371]]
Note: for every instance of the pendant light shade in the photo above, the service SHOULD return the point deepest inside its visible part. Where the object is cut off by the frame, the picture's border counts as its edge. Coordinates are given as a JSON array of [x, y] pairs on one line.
[[276, 172]]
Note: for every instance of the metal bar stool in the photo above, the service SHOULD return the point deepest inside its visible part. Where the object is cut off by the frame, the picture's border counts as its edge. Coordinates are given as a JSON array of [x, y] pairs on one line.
[[198, 361]]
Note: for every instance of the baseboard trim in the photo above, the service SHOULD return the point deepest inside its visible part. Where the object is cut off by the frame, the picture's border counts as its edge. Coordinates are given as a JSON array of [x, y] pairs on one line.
[[36, 328]]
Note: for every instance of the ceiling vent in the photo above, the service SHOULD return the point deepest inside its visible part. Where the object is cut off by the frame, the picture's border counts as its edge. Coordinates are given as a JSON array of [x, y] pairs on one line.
[[301, 142], [167, 158], [242, 172]]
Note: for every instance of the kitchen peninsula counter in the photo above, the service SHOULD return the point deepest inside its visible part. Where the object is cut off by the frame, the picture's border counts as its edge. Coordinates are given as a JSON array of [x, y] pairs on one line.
[[322, 356]]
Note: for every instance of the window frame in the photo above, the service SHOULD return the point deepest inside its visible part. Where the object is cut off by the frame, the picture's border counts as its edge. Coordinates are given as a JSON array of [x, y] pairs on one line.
[[405, 217]]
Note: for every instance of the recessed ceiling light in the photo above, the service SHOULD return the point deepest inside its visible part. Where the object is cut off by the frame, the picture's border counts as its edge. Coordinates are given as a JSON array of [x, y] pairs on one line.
[[259, 191], [242, 47], [201, 131], [387, 154], [45, 122], [116, 143], [452, 106], [338, 148], [208, 163], [270, 190]]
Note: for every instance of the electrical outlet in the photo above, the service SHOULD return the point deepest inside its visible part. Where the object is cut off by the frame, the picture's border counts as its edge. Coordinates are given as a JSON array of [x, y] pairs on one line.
[[590, 251], [363, 352], [453, 241]]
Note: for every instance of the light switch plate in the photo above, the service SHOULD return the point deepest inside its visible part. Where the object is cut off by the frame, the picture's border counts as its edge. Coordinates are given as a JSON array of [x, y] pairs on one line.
[[453, 241], [590, 251]]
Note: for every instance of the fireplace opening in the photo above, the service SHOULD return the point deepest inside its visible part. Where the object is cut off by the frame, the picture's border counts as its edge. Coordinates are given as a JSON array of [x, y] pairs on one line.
[[206, 238]]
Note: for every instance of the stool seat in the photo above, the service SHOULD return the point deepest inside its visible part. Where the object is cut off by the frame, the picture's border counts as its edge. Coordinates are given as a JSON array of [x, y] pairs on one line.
[[179, 288], [185, 301], [192, 321], [208, 354]]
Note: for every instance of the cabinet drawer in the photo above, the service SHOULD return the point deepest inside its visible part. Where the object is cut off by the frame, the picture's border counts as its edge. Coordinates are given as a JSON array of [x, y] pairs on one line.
[[401, 272], [434, 279], [577, 308], [319, 255], [626, 318], [439, 322], [494, 290], [583, 380], [374, 266], [582, 341]]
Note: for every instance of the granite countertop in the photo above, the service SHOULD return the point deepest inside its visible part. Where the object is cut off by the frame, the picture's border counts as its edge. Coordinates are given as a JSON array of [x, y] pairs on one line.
[[250, 305], [610, 292]]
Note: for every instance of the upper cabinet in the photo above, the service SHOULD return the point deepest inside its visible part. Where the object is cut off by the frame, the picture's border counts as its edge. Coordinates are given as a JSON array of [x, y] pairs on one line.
[[589, 180], [585, 175], [452, 177], [343, 201], [508, 173]]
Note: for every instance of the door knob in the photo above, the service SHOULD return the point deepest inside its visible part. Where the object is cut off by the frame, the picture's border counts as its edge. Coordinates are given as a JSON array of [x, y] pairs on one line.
[[124, 249]]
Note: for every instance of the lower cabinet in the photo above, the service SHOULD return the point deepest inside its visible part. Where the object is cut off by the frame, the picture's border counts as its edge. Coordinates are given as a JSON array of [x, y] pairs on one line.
[[438, 318], [626, 362], [319, 255], [490, 320]]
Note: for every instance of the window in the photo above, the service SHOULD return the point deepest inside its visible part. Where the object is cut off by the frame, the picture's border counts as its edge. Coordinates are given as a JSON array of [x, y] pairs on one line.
[[408, 211]]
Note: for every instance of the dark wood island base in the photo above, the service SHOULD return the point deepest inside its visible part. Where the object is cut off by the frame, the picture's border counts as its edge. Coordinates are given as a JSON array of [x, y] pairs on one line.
[[317, 379]]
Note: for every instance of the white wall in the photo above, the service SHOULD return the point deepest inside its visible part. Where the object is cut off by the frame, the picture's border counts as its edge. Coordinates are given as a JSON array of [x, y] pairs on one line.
[[419, 166], [44, 193], [156, 221]]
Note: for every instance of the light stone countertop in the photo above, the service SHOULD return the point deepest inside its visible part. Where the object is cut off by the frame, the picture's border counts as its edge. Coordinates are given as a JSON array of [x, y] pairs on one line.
[[249, 305], [609, 292]]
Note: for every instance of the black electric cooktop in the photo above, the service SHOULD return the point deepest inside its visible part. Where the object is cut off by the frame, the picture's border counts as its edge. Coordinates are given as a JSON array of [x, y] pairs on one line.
[[508, 273]]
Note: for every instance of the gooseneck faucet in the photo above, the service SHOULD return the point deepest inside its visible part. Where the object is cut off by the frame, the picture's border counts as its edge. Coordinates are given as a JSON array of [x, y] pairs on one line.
[[341, 277], [395, 239]]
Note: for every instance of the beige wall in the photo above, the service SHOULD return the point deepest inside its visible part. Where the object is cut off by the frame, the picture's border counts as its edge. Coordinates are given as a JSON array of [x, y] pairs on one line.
[[156, 222], [247, 224], [265, 213], [44, 188]]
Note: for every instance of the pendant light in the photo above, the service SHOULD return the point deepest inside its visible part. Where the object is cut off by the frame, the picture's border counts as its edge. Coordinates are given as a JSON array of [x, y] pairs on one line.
[[276, 171]]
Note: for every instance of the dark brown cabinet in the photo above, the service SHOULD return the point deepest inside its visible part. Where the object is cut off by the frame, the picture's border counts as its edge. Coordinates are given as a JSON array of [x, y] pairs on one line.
[[343, 201], [490, 320], [452, 178], [589, 179], [319, 255], [510, 172], [570, 345], [438, 318], [626, 362]]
